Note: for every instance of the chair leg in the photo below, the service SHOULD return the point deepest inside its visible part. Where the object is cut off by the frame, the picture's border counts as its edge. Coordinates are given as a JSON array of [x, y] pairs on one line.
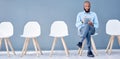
[[35, 46], [53, 45], [111, 45], [6, 44], [40, 51], [93, 46], [118, 40], [0, 42], [65, 47], [107, 49], [9, 43], [27, 42], [23, 50], [81, 49]]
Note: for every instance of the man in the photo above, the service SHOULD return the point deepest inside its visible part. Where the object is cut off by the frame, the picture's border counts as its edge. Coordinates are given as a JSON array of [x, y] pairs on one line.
[[86, 23]]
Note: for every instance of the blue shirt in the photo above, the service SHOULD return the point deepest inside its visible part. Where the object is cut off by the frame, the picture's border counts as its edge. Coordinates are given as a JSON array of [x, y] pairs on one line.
[[82, 15]]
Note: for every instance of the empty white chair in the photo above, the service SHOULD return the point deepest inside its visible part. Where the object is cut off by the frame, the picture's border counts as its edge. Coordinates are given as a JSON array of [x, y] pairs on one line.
[[112, 29], [31, 31], [6, 31], [80, 50], [59, 29]]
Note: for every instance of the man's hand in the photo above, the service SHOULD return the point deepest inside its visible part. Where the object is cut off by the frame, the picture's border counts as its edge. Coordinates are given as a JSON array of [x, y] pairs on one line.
[[90, 23]]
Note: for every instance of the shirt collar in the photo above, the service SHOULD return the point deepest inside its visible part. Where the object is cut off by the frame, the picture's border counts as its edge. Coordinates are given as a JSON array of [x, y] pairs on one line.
[[87, 13]]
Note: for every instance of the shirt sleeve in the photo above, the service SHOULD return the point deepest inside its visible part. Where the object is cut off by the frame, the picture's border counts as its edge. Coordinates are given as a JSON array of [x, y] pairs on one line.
[[78, 21], [96, 23]]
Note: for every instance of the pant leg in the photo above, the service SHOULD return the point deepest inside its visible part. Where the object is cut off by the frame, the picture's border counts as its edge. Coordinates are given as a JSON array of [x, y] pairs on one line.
[[84, 31], [88, 37]]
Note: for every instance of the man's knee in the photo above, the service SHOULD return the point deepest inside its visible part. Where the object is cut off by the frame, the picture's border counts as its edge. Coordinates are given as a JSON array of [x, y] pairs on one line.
[[87, 26]]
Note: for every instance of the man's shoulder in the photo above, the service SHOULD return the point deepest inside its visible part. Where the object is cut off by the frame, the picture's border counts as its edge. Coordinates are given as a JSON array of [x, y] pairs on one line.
[[81, 13], [93, 13]]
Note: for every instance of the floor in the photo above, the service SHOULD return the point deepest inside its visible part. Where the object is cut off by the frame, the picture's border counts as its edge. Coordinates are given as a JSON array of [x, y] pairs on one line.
[[61, 55]]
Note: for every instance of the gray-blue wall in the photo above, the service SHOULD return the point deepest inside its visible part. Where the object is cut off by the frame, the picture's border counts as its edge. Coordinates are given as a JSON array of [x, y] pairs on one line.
[[46, 11]]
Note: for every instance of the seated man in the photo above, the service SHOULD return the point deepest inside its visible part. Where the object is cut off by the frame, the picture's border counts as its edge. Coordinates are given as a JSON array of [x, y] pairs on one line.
[[86, 23]]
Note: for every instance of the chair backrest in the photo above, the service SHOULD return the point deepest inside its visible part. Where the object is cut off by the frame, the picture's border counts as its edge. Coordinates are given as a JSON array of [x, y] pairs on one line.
[[32, 28], [59, 29], [6, 29], [113, 27]]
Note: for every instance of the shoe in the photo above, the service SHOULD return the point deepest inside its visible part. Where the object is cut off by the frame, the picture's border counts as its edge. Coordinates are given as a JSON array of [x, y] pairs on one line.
[[90, 54], [79, 44]]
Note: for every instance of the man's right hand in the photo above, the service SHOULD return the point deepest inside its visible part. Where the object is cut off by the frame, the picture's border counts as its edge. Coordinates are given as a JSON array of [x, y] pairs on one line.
[[90, 23]]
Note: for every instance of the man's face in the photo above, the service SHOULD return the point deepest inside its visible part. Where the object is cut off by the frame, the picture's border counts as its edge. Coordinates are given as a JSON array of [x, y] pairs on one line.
[[87, 7]]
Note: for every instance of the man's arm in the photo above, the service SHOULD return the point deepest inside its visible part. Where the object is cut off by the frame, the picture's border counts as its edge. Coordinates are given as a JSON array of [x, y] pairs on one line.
[[78, 21], [95, 22]]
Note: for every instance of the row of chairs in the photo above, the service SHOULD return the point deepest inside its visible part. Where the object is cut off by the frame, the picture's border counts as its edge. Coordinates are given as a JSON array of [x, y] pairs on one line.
[[32, 30], [58, 29]]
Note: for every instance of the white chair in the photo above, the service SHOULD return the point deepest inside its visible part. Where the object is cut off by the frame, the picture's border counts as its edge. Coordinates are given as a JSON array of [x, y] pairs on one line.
[[31, 31], [80, 50], [6, 31], [59, 30], [112, 29]]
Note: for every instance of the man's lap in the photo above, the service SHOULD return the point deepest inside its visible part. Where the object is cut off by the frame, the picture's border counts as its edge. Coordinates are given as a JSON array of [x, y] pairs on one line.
[[91, 29]]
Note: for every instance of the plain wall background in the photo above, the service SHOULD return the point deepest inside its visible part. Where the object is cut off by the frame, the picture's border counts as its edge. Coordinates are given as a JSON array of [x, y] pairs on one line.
[[19, 12]]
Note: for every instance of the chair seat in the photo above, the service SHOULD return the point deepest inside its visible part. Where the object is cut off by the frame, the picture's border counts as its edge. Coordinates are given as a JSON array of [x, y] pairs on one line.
[[60, 35], [95, 34], [2, 35], [30, 36]]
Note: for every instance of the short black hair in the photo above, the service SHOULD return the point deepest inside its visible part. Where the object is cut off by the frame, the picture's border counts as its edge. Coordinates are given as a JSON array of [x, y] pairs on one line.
[[87, 2]]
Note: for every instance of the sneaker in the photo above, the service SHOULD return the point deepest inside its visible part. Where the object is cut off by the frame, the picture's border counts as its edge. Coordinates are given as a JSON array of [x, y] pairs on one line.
[[90, 54], [79, 44]]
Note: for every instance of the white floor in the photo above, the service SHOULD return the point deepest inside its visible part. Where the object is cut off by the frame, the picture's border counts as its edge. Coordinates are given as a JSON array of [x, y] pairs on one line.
[[61, 55]]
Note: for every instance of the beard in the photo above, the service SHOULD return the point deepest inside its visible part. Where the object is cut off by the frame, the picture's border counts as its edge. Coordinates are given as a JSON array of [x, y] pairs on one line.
[[87, 11]]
